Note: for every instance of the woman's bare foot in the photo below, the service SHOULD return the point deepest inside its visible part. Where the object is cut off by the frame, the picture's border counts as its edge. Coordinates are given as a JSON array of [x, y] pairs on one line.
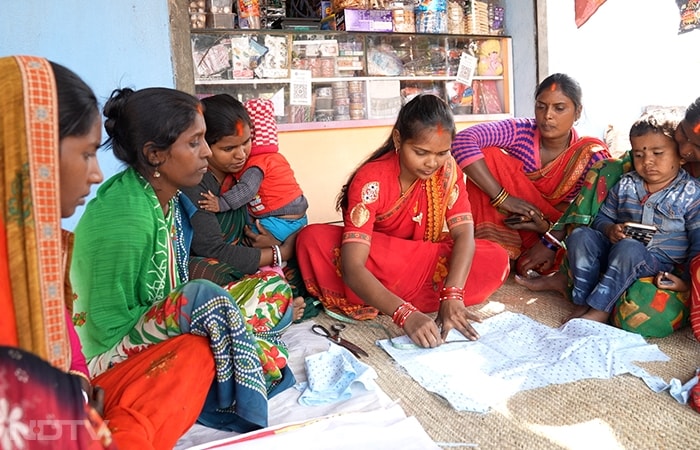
[[597, 315], [552, 282], [578, 312], [298, 305]]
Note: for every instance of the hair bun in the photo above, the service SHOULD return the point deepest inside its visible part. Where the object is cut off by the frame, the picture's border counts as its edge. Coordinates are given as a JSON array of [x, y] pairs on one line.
[[114, 107]]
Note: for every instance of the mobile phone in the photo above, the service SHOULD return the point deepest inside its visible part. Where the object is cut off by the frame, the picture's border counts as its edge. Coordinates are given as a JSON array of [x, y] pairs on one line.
[[664, 281], [639, 231], [516, 219]]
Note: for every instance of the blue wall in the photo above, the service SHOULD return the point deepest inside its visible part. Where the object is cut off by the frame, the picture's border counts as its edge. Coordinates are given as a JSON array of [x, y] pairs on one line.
[[109, 43]]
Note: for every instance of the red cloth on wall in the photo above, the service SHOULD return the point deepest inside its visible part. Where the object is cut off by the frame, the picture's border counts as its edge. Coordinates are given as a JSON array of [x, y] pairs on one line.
[[585, 9]]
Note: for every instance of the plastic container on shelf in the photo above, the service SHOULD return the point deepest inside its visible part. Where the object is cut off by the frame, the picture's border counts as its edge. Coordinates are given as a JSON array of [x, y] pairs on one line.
[[403, 17], [431, 16], [249, 14], [220, 6], [455, 17], [198, 16]]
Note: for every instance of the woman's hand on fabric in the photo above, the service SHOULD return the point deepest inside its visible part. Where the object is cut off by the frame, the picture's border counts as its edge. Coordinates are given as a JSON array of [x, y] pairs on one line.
[[453, 314], [210, 202], [261, 239], [422, 330], [538, 258], [670, 282]]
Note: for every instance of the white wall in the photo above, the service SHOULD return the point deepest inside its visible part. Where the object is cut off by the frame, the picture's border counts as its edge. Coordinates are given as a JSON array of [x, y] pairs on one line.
[[520, 25], [628, 55]]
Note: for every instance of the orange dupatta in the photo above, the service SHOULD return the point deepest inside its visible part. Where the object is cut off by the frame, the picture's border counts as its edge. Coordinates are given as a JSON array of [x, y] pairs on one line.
[[32, 304], [549, 188]]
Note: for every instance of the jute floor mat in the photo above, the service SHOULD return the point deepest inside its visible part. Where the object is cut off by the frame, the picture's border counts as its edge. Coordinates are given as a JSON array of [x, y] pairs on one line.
[[620, 413]]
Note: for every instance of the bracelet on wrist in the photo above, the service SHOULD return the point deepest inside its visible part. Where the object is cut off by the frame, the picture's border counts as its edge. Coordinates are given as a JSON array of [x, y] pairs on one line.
[[551, 238], [451, 293], [548, 244], [499, 198], [276, 256], [404, 310]]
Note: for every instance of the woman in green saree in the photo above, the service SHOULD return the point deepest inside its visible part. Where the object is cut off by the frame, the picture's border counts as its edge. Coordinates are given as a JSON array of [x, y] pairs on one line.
[[130, 265]]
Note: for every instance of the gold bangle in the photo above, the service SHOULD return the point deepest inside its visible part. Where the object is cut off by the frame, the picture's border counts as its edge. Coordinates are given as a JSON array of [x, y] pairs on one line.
[[500, 198]]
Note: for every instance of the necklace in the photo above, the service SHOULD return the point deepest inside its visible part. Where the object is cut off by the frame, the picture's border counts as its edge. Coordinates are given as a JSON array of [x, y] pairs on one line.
[[178, 237]]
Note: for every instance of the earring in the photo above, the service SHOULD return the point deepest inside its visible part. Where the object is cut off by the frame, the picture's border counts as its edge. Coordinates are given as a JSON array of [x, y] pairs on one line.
[[156, 174]]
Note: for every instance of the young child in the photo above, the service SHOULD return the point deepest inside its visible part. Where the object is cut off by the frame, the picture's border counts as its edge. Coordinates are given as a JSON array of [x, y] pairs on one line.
[[274, 196], [604, 260]]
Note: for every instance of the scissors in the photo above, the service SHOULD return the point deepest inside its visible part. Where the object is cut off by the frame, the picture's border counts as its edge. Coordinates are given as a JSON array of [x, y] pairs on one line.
[[334, 336]]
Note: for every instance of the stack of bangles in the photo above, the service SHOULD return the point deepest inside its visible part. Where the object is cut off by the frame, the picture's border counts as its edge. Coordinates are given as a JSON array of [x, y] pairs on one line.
[[276, 256], [404, 310], [499, 198], [551, 242], [451, 293]]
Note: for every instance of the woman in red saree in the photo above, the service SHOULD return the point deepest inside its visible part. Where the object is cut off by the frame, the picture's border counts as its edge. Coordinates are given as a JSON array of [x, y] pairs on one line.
[[527, 167], [392, 255]]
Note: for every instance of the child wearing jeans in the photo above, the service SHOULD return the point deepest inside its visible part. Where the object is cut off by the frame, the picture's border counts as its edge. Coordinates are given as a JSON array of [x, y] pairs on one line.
[[273, 195], [604, 260]]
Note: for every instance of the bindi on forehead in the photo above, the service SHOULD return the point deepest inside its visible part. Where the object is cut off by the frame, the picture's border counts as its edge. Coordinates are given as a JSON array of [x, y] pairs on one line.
[[439, 129], [239, 128]]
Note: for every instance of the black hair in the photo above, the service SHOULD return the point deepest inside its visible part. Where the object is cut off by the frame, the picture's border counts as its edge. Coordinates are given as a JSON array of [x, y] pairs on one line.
[[661, 120], [223, 114], [77, 104], [692, 113], [567, 85], [154, 116], [422, 113]]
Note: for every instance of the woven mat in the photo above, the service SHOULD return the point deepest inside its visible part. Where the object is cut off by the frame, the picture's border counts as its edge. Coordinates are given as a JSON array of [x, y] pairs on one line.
[[619, 413]]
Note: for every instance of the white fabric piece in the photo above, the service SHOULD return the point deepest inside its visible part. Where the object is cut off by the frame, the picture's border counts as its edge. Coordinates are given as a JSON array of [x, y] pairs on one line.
[[374, 430], [334, 375], [677, 389], [516, 353], [284, 408]]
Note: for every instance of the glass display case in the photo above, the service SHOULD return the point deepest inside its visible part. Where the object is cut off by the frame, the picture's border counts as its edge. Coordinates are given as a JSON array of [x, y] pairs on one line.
[[337, 79]]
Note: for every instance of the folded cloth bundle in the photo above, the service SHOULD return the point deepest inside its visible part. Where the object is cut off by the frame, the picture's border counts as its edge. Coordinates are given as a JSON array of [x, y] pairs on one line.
[[332, 375]]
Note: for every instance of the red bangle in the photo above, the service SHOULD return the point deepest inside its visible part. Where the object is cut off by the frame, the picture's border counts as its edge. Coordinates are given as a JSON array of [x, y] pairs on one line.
[[404, 310], [451, 293]]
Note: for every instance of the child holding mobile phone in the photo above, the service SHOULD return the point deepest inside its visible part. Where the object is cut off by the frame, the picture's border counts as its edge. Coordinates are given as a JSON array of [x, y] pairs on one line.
[[604, 260]]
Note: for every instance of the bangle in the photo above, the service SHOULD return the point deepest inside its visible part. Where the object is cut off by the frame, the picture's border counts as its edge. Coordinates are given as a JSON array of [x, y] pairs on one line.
[[278, 252], [451, 293], [404, 310], [499, 198], [551, 238], [276, 256], [548, 244]]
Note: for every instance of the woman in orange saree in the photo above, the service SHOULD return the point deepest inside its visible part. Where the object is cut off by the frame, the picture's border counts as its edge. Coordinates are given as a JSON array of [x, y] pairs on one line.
[[393, 255], [527, 167], [50, 129], [49, 135]]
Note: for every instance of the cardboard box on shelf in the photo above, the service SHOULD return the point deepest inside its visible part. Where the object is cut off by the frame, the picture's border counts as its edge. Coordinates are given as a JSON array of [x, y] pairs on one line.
[[376, 20]]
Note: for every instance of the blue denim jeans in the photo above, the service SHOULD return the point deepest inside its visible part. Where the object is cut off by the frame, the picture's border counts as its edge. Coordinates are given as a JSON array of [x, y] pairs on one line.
[[602, 271]]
